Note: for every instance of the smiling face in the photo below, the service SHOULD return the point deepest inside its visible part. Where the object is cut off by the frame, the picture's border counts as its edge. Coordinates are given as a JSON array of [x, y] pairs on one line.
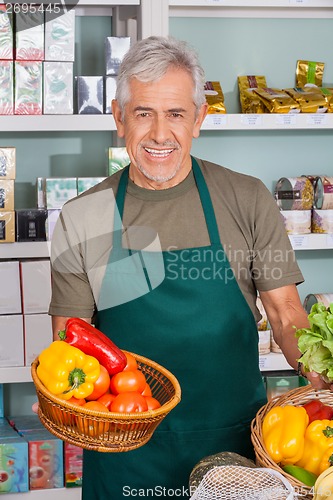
[[159, 123]]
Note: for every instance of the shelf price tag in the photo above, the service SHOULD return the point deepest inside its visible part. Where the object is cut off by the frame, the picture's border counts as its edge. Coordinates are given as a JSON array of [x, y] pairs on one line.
[[251, 120], [286, 120], [215, 2], [299, 241], [216, 120], [298, 2], [316, 119], [263, 363]]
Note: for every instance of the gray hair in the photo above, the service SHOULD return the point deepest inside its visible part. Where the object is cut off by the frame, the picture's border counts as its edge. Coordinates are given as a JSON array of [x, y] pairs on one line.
[[149, 59]]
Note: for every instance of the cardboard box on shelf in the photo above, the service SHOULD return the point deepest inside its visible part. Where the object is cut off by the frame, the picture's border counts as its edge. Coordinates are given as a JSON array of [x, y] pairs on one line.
[[10, 291], [7, 163], [11, 340], [6, 194], [7, 226], [36, 285], [37, 335], [46, 463]]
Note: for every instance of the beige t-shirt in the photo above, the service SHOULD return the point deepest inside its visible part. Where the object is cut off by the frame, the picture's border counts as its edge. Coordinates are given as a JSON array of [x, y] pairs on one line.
[[250, 227]]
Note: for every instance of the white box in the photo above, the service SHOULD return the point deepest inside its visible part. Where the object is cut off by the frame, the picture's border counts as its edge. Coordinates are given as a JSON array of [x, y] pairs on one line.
[[58, 88], [36, 286], [60, 36], [10, 293], [11, 340], [37, 335]]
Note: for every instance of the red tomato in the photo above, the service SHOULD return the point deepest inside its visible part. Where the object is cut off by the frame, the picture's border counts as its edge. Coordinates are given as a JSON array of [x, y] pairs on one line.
[[131, 362], [146, 391], [106, 399], [152, 403], [95, 405], [101, 385], [317, 410], [91, 427], [129, 402], [65, 417], [128, 381]]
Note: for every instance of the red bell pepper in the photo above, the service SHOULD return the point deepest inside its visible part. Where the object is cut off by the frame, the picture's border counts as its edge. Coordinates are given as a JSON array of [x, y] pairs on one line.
[[317, 410], [92, 341]]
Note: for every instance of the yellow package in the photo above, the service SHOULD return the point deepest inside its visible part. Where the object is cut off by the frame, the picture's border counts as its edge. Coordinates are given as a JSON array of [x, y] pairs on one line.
[[249, 101], [309, 72], [214, 98], [328, 96], [310, 99], [277, 101]]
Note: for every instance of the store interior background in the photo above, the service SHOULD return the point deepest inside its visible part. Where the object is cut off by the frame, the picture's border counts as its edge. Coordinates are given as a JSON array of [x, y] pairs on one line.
[[227, 48]]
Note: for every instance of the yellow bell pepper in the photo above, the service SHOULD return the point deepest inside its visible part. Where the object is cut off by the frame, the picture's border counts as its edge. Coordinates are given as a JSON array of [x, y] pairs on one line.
[[283, 431], [66, 371], [318, 448]]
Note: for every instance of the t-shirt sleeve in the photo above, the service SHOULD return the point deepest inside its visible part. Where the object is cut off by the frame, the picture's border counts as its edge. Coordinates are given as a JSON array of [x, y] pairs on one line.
[[274, 262], [71, 291]]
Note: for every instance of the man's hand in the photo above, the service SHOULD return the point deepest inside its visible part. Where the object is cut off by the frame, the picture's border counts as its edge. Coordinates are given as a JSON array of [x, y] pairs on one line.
[[317, 382], [35, 407]]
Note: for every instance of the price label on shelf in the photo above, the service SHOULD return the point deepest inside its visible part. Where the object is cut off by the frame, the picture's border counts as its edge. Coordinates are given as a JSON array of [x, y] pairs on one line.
[[251, 120], [216, 120], [287, 119], [298, 2], [316, 119], [299, 241]]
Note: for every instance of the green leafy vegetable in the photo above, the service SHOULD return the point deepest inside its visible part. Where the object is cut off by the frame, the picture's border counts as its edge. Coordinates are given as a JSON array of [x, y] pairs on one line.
[[316, 342]]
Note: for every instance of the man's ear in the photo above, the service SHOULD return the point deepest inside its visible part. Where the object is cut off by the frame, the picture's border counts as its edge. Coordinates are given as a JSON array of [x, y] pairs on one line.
[[199, 119], [117, 115]]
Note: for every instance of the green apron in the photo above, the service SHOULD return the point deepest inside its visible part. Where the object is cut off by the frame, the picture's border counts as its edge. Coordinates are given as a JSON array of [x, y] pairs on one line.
[[198, 325]]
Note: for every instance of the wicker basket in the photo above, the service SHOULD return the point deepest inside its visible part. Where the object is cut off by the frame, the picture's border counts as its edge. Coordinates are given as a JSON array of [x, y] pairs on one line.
[[295, 397], [108, 432]]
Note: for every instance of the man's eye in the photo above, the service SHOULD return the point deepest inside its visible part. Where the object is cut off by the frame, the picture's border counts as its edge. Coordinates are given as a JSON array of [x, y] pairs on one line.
[[176, 115], [143, 114]]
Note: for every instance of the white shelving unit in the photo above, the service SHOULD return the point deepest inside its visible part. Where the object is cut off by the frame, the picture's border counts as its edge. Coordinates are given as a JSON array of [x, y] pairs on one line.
[[54, 494]]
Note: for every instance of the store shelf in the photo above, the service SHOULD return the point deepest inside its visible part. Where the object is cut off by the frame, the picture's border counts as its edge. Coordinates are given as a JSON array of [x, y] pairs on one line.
[[90, 123], [54, 494], [272, 121], [33, 249], [321, 9], [57, 123], [311, 241], [273, 362]]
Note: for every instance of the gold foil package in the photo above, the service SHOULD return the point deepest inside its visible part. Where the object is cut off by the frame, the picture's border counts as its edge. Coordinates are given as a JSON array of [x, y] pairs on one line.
[[249, 100], [277, 101], [309, 72], [328, 96], [310, 99], [214, 98]]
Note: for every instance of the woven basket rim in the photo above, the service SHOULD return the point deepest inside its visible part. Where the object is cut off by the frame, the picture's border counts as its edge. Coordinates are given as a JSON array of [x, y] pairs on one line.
[[296, 397], [138, 416]]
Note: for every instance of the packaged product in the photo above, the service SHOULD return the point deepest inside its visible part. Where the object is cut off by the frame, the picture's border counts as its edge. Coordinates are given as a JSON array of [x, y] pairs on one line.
[[323, 192], [294, 193], [322, 221], [310, 99], [6, 33], [214, 98], [277, 101], [328, 95], [58, 88], [7, 162], [110, 87], [60, 36], [249, 100], [28, 94], [309, 72], [297, 221], [29, 35], [90, 95], [115, 50], [314, 298], [117, 158], [7, 87]]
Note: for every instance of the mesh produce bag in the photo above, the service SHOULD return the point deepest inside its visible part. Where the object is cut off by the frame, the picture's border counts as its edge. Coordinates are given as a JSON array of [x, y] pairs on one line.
[[233, 482]]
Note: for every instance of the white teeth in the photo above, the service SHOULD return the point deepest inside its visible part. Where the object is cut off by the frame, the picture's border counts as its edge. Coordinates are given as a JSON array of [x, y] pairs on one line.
[[159, 153]]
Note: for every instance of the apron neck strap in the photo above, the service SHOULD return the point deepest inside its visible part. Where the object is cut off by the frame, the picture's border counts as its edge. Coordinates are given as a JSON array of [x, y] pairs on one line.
[[205, 199]]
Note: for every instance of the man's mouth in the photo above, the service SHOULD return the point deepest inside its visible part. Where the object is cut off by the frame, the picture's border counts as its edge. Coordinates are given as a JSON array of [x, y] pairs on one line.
[[159, 153]]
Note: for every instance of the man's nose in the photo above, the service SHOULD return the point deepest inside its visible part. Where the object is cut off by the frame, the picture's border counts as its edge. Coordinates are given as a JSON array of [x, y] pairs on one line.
[[160, 130]]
